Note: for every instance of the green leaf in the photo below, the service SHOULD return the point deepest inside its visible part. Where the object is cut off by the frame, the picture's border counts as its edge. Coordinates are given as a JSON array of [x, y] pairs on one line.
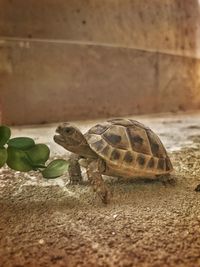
[[55, 168], [18, 160], [3, 156], [22, 143], [5, 134], [38, 154]]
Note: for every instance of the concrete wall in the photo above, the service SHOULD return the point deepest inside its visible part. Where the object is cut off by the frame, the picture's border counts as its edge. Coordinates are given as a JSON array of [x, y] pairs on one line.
[[75, 59]]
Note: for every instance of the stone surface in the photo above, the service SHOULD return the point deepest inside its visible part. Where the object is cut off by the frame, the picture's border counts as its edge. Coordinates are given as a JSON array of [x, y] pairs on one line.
[[50, 223]]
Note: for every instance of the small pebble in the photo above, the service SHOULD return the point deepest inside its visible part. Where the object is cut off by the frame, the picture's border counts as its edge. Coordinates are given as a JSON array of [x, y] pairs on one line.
[[41, 242]]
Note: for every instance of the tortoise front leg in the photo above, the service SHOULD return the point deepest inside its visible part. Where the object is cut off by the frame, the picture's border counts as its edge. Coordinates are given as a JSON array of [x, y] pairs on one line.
[[74, 170], [97, 182]]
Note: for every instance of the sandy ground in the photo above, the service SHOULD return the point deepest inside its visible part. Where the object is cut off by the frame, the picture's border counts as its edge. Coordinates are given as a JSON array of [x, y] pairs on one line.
[[50, 223]]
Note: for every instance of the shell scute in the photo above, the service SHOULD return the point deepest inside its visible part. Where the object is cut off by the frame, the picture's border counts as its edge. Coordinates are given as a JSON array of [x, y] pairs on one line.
[[105, 151], [112, 138], [151, 163], [122, 122], [168, 164], [115, 155], [98, 129], [116, 136], [139, 124], [98, 145], [128, 157], [157, 147], [138, 139], [141, 160], [161, 164]]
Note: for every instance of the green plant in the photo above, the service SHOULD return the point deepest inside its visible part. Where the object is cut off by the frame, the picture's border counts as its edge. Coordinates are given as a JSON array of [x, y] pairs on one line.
[[22, 154]]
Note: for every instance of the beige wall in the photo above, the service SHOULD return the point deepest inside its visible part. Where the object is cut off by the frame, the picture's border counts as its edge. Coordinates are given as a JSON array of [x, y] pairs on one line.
[[165, 26], [62, 60]]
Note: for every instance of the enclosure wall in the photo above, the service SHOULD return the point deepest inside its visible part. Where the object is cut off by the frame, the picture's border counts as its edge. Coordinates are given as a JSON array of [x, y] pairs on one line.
[[63, 60]]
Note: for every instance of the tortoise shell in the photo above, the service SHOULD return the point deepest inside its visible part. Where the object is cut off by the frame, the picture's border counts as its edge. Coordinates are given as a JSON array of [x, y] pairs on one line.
[[129, 148]]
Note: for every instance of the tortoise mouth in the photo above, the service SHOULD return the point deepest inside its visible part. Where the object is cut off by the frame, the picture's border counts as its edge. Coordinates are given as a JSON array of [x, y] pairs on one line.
[[58, 138]]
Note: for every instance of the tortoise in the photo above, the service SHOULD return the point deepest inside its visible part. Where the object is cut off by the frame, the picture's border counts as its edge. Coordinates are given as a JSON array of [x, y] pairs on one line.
[[118, 147]]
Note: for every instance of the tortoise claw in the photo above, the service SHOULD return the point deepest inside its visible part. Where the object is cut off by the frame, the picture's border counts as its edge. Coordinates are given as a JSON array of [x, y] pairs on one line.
[[105, 196]]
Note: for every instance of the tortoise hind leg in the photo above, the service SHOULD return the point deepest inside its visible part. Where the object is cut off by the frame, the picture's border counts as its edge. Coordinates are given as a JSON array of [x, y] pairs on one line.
[[74, 170], [97, 182], [167, 179]]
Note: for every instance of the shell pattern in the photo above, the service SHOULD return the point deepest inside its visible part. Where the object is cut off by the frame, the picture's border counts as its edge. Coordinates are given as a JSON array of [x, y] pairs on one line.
[[129, 145]]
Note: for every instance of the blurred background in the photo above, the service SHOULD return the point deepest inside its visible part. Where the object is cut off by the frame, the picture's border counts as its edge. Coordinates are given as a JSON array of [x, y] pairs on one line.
[[71, 60]]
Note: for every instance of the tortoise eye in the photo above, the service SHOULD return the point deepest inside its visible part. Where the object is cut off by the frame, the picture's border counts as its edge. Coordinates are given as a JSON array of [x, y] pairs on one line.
[[69, 130]]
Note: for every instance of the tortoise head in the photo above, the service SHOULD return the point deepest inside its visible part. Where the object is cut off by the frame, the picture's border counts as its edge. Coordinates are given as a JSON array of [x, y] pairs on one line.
[[69, 137]]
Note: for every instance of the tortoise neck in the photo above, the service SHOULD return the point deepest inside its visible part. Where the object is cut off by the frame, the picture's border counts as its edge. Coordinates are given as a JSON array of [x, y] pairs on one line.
[[83, 149]]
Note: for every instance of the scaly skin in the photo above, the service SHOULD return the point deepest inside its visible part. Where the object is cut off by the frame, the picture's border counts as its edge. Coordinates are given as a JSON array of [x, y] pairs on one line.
[[74, 170]]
